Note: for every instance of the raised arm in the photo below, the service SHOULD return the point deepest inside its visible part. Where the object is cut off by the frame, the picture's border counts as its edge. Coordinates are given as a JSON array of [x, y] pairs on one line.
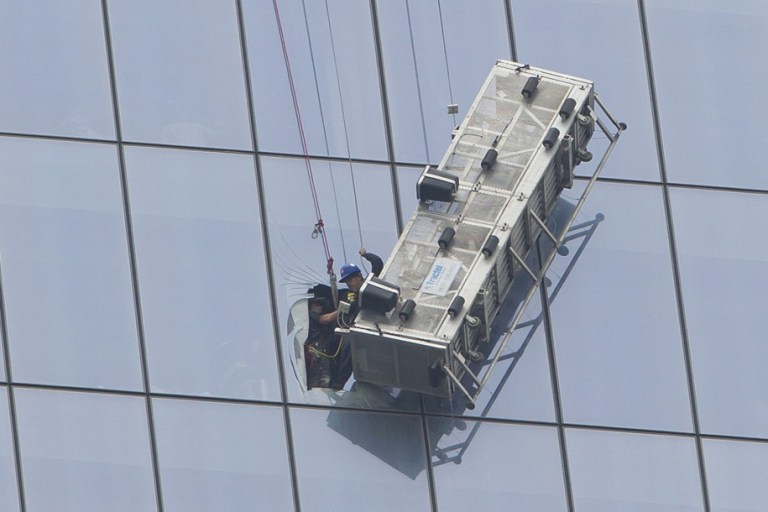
[[376, 264]]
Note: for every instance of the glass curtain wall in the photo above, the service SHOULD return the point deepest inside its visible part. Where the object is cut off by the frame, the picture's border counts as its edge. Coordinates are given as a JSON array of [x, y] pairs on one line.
[[176, 174]]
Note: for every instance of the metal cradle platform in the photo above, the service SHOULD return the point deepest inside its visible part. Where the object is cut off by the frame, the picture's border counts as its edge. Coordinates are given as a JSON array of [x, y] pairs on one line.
[[425, 320]]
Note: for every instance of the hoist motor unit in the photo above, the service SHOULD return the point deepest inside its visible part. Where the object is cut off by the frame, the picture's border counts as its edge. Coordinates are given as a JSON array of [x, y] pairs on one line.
[[425, 321]]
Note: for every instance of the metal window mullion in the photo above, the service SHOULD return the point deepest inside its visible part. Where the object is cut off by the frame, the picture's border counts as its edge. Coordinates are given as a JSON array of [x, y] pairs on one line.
[[673, 253], [132, 258], [387, 118], [555, 382], [11, 399], [510, 29], [271, 286]]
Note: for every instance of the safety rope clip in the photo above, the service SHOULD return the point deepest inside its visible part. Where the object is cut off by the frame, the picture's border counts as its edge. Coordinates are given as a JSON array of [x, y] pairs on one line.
[[318, 228]]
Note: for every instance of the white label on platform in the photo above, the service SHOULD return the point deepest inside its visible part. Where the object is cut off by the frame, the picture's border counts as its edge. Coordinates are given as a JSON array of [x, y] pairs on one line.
[[441, 276]]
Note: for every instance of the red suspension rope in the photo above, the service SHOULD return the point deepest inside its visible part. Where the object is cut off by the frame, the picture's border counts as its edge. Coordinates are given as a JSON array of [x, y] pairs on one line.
[[319, 225]]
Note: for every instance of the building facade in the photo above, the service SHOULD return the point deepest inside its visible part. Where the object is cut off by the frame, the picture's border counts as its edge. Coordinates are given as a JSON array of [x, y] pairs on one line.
[[163, 165]]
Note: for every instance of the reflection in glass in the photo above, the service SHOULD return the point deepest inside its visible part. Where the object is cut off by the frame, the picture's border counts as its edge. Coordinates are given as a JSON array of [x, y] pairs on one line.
[[610, 52], [488, 466], [737, 475], [351, 461], [180, 73], [299, 258], [84, 451], [613, 471], [519, 387], [616, 330], [9, 496], [708, 114], [66, 273], [201, 273], [224, 457], [430, 63], [331, 54], [474, 40], [53, 69], [724, 274]]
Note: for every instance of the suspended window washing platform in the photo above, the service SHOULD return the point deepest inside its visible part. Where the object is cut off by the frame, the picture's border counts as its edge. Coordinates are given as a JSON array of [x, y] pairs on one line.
[[425, 322]]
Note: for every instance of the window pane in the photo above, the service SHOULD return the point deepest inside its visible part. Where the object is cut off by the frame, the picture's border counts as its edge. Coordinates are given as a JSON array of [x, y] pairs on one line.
[[180, 73], [9, 494], [201, 273], [431, 61], [600, 41], [53, 69], [737, 474], [66, 273], [348, 461], [84, 452], [616, 329], [724, 274], [224, 457], [468, 63], [695, 91], [331, 53], [497, 465], [299, 260], [612, 471]]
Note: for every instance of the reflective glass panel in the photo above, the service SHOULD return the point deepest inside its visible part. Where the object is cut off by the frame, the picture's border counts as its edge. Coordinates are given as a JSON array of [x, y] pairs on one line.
[[332, 59], [66, 274], [599, 41], [617, 335], [489, 466], [709, 114], [352, 461], [737, 475], [226, 457], [299, 257], [474, 40], [613, 471], [9, 495], [179, 73], [432, 58], [53, 69], [202, 276], [84, 451], [724, 273]]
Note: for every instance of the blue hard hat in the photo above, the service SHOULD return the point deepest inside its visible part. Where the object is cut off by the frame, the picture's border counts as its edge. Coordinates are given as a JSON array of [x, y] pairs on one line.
[[347, 271]]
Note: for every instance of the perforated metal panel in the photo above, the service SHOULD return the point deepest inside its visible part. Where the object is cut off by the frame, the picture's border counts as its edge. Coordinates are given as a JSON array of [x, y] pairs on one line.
[[485, 208], [495, 201]]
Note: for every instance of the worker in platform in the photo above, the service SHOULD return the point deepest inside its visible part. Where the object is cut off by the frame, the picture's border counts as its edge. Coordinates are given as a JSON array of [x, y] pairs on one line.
[[320, 344], [352, 277]]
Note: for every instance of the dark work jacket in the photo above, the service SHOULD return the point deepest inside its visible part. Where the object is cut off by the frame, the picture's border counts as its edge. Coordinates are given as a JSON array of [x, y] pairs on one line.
[[319, 335]]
